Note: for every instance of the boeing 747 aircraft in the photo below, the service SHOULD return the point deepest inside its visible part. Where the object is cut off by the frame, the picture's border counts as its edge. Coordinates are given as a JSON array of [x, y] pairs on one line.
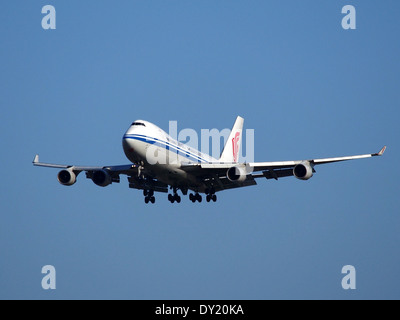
[[186, 169]]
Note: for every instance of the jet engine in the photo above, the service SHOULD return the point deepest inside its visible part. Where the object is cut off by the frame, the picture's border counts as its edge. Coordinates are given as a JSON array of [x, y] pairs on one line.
[[236, 174], [102, 178], [66, 177], [303, 170]]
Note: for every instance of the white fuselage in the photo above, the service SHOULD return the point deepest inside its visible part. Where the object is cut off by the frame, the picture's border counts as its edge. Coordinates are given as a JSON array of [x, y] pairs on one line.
[[161, 155]]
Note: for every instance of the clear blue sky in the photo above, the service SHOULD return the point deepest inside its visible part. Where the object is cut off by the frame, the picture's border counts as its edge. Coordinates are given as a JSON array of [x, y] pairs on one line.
[[306, 86]]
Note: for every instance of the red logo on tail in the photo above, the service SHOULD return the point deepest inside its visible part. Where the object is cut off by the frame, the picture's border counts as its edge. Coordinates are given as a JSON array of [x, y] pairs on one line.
[[235, 146]]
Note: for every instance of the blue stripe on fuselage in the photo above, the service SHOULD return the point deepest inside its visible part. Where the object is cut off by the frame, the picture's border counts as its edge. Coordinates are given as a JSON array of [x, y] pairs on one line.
[[167, 145]]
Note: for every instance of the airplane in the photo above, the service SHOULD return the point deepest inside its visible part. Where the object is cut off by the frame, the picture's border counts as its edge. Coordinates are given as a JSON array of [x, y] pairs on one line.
[[187, 168]]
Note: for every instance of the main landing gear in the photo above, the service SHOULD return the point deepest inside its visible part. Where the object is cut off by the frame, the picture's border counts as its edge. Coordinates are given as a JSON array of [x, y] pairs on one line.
[[211, 195], [149, 196], [192, 196], [195, 197], [174, 197]]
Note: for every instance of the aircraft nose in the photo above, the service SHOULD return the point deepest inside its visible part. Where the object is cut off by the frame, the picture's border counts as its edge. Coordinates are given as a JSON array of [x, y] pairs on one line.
[[127, 144], [129, 149]]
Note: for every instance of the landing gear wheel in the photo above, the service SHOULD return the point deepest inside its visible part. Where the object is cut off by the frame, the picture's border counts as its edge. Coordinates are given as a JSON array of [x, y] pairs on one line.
[[149, 196], [174, 197], [148, 199], [211, 194], [195, 197]]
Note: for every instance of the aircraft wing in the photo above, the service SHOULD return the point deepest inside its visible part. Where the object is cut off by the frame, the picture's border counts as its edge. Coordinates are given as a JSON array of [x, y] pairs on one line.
[[126, 169], [138, 179], [215, 175], [216, 172], [282, 165]]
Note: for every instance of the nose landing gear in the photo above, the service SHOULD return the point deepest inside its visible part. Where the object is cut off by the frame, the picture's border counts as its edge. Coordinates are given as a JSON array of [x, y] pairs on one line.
[[149, 196]]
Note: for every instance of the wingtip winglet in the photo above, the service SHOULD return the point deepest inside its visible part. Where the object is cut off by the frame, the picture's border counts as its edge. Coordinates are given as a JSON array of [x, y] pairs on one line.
[[380, 152], [36, 159]]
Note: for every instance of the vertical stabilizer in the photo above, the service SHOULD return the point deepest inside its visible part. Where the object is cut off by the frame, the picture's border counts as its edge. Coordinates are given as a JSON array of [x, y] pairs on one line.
[[231, 151]]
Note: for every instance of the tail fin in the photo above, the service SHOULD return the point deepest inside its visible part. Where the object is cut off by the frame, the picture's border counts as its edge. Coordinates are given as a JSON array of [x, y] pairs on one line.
[[232, 146]]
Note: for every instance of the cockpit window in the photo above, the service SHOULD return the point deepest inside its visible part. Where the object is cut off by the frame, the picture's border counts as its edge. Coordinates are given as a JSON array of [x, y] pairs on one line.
[[138, 124]]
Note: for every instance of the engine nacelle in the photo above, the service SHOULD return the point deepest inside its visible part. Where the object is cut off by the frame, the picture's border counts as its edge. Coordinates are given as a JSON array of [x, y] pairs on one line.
[[236, 174], [66, 177], [102, 178], [303, 170]]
